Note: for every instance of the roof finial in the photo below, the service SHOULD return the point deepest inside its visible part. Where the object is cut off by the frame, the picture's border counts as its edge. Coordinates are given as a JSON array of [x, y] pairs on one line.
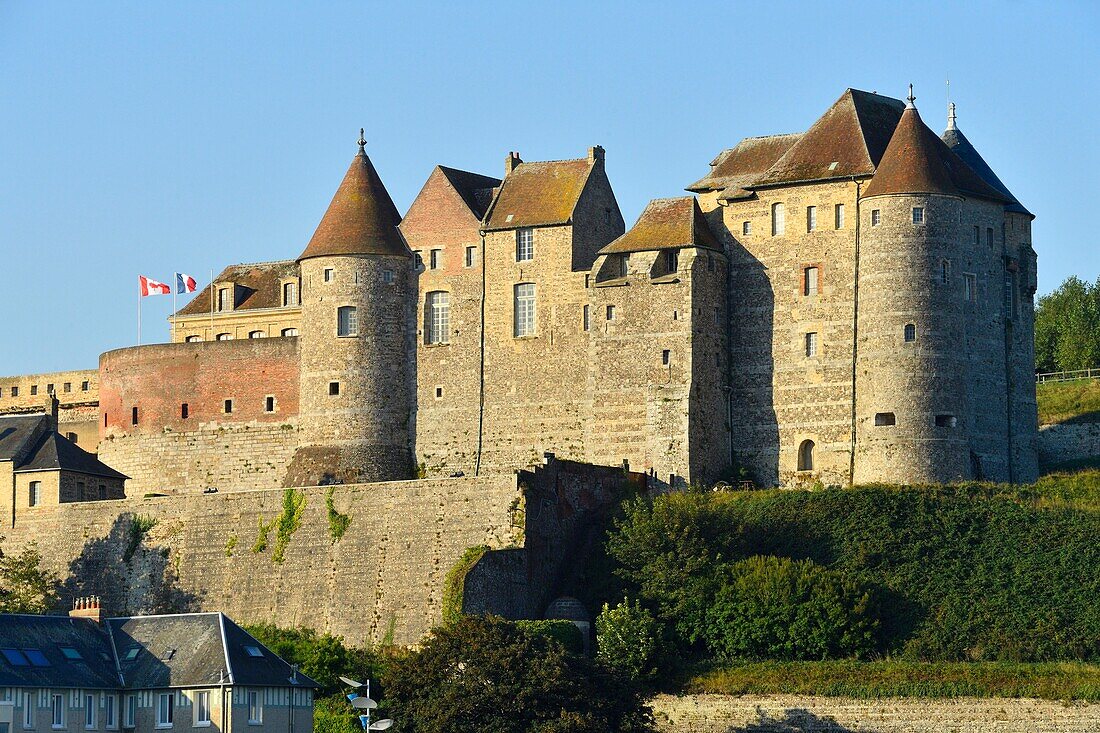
[[951, 116], [362, 141], [911, 98]]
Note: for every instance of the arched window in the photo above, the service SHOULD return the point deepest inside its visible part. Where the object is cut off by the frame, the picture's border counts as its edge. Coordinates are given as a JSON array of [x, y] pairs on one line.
[[289, 332], [437, 317], [193, 339], [806, 456], [910, 332], [257, 334], [779, 219], [225, 337], [347, 321]]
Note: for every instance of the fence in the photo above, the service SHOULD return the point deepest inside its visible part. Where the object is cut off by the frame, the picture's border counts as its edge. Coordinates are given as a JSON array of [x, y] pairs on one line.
[[1068, 376]]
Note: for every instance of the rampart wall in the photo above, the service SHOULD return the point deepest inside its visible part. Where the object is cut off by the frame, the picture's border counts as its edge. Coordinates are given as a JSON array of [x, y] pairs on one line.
[[239, 552], [1068, 442]]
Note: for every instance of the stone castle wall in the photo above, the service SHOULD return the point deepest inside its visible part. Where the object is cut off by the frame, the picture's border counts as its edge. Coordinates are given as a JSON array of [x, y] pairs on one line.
[[381, 580], [810, 714], [1068, 442]]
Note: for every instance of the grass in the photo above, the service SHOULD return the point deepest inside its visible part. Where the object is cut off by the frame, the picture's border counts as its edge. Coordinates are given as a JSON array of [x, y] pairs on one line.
[[1077, 401], [863, 680]]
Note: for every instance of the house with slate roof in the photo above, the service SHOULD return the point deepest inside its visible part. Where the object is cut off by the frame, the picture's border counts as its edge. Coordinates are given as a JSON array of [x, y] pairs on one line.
[[168, 673]]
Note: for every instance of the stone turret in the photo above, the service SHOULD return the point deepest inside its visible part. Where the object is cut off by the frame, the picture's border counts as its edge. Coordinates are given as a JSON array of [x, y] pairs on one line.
[[356, 342]]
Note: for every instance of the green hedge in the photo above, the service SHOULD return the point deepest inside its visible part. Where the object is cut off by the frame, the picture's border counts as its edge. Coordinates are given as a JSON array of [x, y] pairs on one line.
[[565, 633]]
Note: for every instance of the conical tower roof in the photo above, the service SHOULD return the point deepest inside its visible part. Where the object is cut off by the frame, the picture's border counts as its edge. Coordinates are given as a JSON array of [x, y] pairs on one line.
[[912, 162], [962, 147], [361, 219]]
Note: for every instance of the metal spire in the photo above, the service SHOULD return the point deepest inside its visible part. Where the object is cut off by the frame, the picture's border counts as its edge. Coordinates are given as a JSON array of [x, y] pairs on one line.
[[951, 116], [362, 142], [911, 98]]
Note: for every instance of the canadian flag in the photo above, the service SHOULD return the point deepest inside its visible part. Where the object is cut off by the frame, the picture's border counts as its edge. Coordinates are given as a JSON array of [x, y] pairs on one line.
[[152, 287], [185, 283]]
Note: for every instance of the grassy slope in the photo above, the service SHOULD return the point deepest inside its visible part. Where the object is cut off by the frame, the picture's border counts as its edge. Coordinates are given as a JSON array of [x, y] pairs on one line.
[[1069, 401]]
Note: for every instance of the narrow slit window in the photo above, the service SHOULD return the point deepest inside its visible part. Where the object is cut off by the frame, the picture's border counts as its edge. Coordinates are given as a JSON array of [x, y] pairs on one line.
[[435, 259], [269, 404], [883, 419], [811, 343], [228, 407], [133, 416], [666, 357], [838, 216], [185, 411], [970, 288], [586, 319], [810, 281], [945, 272], [811, 218]]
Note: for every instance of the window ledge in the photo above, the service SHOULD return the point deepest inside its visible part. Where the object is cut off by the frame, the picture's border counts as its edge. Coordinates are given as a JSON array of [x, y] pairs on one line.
[[616, 282], [348, 336], [437, 345], [202, 724], [532, 337], [665, 279]]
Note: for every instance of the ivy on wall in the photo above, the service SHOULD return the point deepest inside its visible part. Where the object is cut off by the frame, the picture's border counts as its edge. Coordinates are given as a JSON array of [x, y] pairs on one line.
[[454, 586]]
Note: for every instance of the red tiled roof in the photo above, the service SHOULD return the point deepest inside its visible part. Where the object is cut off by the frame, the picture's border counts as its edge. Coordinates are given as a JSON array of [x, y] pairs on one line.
[[360, 220], [737, 167], [539, 194], [666, 224], [258, 286]]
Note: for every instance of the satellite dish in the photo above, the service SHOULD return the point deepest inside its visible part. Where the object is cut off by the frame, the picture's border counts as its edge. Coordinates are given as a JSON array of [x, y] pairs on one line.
[[381, 724], [364, 703], [351, 683]]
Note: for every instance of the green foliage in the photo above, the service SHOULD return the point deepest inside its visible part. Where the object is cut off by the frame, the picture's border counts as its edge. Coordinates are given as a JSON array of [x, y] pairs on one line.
[[971, 572], [454, 585], [25, 587], [898, 678], [1067, 327], [139, 527], [565, 633], [486, 674], [1076, 401], [333, 714], [628, 641], [263, 532], [288, 522], [777, 608], [337, 522], [321, 656], [230, 545]]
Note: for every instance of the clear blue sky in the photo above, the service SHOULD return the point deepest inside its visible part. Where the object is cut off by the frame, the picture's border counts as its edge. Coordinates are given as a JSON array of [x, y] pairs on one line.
[[150, 137]]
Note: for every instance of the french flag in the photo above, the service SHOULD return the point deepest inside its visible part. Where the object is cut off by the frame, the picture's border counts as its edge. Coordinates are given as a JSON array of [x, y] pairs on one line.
[[185, 283], [149, 286]]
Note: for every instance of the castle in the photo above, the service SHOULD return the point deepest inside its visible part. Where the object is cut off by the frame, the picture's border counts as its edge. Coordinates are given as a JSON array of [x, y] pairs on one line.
[[845, 305]]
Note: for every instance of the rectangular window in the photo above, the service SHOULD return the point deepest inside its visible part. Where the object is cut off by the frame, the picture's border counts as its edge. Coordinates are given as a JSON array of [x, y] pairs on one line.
[[885, 418], [525, 309], [133, 416], [28, 710], [779, 219], [838, 216], [202, 708], [228, 407], [439, 317], [435, 259], [811, 344], [49, 389], [255, 708], [811, 218], [185, 411], [36, 493], [347, 321], [387, 276], [83, 386], [130, 714], [57, 711], [746, 228], [624, 265], [333, 389], [977, 236], [290, 294], [876, 217], [89, 712], [666, 357], [945, 272], [330, 274], [810, 281], [110, 712], [14, 391], [989, 238], [970, 285], [918, 214], [672, 260], [34, 389], [224, 302], [269, 404], [165, 709], [67, 387], [525, 244], [946, 421], [586, 319], [611, 313], [470, 253]]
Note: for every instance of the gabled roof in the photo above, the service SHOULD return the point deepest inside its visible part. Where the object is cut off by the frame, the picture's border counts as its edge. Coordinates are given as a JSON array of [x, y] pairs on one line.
[[258, 286], [95, 670], [539, 194], [666, 224], [960, 146], [740, 166], [360, 220], [917, 161], [31, 444], [848, 140], [475, 189]]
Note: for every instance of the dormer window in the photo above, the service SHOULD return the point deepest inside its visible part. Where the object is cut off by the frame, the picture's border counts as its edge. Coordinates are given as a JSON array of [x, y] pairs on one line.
[[672, 260], [290, 294], [225, 299], [623, 264]]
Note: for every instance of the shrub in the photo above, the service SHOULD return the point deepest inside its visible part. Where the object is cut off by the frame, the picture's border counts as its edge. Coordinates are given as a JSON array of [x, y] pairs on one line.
[[628, 641], [565, 633], [777, 608], [454, 585]]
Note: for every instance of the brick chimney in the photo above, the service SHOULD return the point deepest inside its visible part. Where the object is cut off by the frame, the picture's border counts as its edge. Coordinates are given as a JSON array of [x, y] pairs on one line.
[[87, 607], [595, 153], [52, 411], [511, 162]]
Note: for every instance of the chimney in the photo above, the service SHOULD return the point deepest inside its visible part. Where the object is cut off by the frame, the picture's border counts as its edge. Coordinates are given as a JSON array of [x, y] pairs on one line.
[[511, 162], [595, 153], [87, 607], [54, 403]]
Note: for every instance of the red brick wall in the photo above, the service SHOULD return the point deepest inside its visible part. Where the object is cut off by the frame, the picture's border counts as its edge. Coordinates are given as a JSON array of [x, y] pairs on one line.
[[158, 379]]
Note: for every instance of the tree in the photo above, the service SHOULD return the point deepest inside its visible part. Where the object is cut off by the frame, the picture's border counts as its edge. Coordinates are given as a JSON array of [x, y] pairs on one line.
[[25, 587], [487, 674], [1067, 327], [322, 657], [628, 641]]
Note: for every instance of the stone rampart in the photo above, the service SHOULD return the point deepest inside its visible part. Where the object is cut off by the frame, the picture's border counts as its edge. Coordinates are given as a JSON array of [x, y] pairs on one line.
[[239, 552], [807, 714], [1068, 442]]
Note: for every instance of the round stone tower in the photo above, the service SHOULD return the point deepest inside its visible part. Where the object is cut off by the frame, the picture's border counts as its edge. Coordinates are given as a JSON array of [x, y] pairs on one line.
[[911, 364], [356, 339]]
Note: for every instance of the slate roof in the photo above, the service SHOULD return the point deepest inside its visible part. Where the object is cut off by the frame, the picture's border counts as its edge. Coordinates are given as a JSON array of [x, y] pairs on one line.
[[666, 224], [475, 189], [740, 166], [918, 161], [360, 220], [32, 445], [182, 650], [95, 670], [258, 286], [957, 142], [848, 140], [539, 194]]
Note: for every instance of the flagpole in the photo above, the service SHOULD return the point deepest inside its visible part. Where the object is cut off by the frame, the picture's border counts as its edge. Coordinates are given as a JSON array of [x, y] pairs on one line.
[[139, 313], [172, 322], [211, 281]]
